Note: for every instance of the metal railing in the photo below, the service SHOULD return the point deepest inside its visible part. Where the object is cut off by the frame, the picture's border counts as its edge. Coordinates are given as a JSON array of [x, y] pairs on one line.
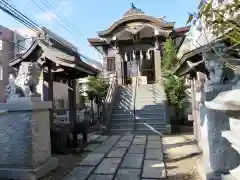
[[108, 103], [134, 97], [62, 115]]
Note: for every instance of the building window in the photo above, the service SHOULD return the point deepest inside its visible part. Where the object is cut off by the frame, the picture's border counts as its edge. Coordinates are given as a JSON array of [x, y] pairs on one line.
[[111, 64]]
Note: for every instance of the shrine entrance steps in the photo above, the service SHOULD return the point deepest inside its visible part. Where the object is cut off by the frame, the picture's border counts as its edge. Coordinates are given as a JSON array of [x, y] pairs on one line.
[[139, 111]]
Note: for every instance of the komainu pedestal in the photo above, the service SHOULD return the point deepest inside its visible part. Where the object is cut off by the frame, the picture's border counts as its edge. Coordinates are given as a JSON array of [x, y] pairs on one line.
[[25, 149], [229, 103], [218, 155]]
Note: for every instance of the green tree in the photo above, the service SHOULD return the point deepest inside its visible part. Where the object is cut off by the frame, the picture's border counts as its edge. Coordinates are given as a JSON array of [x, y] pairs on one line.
[[97, 88], [221, 19], [169, 55], [175, 90], [174, 86]]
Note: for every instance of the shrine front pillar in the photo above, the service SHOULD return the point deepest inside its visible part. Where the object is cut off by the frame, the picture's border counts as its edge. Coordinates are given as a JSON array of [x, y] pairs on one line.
[[50, 96], [72, 107], [118, 63], [157, 60]]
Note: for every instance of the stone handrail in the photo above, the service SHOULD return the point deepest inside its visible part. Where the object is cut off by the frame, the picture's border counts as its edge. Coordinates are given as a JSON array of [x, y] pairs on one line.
[[108, 103]]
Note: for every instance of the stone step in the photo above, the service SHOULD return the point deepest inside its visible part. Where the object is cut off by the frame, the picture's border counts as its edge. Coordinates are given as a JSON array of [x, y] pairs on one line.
[[122, 126], [127, 118], [160, 115], [142, 120], [123, 104], [160, 123], [150, 111], [147, 103], [137, 112], [124, 100], [150, 91], [115, 110], [148, 94], [123, 107], [137, 132], [147, 107], [137, 125], [144, 98], [125, 97], [125, 92], [122, 115]]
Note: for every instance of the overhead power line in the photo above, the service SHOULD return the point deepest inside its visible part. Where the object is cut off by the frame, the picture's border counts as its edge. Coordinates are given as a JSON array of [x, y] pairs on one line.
[[9, 9], [16, 14], [64, 20], [60, 16], [44, 11]]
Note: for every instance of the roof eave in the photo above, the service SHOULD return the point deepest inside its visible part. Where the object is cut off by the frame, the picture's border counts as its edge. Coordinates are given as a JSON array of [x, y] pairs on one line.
[[136, 17]]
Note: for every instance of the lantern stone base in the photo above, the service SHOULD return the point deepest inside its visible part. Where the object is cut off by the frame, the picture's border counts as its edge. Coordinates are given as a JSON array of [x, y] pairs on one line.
[[25, 148], [31, 173]]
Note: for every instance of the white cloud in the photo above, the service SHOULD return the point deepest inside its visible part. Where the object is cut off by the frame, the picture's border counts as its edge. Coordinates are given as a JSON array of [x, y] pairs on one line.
[[64, 8], [47, 16]]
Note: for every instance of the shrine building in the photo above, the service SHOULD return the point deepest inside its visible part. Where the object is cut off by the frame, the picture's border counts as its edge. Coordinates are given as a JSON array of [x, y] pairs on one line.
[[133, 46]]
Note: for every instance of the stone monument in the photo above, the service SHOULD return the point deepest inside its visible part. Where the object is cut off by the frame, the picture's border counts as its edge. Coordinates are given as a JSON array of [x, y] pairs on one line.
[[25, 149], [218, 156]]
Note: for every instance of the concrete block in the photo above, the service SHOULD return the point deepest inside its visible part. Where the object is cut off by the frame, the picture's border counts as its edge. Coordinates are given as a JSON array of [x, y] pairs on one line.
[[153, 169], [128, 174], [132, 161], [108, 166], [117, 152], [92, 159], [79, 173]]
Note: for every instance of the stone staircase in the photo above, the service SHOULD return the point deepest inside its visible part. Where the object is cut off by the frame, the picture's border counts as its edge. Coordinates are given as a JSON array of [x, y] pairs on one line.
[[122, 114], [149, 116], [150, 111]]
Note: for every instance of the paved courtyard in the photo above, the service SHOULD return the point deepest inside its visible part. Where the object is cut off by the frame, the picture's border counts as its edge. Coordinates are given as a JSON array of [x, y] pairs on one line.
[[121, 158]]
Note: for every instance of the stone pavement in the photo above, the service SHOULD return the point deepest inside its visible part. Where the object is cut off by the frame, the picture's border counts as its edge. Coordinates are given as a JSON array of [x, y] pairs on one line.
[[122, 158]]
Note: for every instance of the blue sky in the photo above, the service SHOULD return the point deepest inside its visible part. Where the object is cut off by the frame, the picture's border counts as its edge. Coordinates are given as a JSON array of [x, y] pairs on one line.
[[90, 16]]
